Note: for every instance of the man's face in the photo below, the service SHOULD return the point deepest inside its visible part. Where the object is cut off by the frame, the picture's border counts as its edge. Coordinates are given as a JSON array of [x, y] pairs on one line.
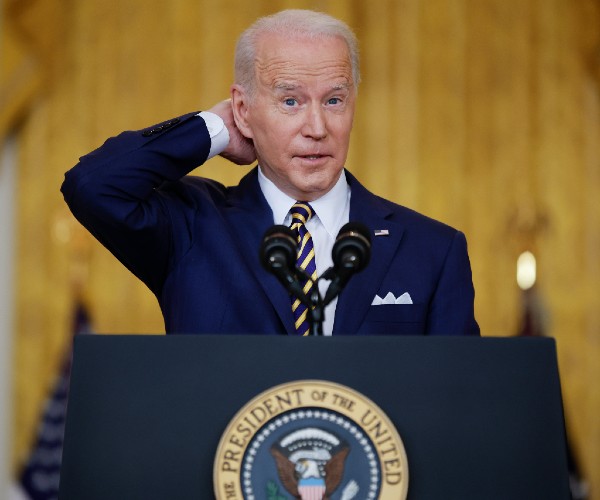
[[301, 114]]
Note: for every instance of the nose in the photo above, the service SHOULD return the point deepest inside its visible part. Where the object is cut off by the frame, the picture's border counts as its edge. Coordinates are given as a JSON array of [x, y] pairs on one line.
[[315, 126]]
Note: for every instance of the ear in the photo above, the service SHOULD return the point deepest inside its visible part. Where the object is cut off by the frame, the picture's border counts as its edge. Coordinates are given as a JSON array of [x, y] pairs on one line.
[[240, 104]]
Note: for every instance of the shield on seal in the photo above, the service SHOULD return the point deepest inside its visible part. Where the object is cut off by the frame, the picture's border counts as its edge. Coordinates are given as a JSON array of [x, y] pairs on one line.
[[311, 488]]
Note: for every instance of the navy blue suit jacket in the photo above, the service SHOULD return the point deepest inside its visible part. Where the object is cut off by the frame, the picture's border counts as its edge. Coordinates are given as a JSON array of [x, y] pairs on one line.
[[195, 243]]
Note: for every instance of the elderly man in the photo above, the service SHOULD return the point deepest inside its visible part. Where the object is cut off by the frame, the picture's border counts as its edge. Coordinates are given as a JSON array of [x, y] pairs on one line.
[[195, 243]]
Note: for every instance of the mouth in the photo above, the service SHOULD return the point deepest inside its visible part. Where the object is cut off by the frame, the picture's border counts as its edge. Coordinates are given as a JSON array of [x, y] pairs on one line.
[[312, 157]]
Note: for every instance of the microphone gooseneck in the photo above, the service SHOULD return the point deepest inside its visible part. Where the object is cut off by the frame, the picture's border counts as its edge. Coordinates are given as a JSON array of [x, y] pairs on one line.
[[350, 254], [278, 256]]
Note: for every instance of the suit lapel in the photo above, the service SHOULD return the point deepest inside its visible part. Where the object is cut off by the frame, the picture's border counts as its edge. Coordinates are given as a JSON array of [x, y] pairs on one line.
[[354, 302], [250, 216]]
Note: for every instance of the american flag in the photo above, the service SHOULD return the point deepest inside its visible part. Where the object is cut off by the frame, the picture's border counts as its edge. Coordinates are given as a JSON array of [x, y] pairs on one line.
[[41, 474]]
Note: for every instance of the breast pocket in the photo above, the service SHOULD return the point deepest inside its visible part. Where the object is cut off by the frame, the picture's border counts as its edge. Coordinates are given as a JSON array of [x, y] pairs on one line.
[[396, 319]]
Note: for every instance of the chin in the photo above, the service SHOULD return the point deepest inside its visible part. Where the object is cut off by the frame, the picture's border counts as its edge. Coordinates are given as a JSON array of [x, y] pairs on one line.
[[311, 192]]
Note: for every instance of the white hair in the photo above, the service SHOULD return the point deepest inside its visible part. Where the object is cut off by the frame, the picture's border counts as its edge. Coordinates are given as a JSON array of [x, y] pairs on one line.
[[290, 23]]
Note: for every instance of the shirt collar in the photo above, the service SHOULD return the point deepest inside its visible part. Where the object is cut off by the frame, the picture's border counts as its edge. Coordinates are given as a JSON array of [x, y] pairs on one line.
[[328, 208]]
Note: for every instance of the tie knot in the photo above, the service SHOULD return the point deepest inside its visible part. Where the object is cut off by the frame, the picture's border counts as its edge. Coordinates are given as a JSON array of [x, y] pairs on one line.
[[301, 212]]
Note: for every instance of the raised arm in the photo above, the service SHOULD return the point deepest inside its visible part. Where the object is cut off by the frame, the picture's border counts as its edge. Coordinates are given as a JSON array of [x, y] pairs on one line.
[[128, 192]]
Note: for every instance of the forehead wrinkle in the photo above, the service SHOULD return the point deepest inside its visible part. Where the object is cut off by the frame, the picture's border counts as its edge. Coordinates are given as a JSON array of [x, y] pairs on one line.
[[283, 73]]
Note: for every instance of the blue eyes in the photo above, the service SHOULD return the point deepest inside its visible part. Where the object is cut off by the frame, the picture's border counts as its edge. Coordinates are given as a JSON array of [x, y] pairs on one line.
[[291, 102]]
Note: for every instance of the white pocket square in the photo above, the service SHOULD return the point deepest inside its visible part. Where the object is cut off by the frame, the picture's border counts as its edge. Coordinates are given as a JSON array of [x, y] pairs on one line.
[[390, 299]]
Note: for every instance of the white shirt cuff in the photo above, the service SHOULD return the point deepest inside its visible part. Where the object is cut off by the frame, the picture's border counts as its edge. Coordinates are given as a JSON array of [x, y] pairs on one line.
[[219, 135]]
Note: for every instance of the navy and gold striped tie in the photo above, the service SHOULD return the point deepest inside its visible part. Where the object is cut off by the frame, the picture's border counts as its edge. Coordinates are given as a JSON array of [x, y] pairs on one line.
[[301, 213]]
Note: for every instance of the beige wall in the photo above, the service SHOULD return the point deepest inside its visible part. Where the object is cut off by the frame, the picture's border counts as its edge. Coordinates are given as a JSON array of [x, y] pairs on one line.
[[482, 113]]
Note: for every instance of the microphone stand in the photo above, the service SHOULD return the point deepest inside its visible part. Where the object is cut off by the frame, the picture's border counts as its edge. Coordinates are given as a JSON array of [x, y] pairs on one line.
[[316, 311]]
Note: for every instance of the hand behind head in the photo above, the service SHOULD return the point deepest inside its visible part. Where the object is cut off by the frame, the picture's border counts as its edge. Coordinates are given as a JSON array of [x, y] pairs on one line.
[[240, 149]]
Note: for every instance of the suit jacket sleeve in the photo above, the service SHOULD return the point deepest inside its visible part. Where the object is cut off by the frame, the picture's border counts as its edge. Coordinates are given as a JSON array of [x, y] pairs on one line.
[[114, 193], [451, 309]]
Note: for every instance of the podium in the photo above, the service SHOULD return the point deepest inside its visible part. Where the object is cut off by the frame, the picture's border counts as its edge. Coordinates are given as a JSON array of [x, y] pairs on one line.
[[480, 418]]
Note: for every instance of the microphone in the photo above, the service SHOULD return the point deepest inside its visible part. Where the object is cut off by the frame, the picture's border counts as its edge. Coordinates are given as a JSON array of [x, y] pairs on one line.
[[278, 254], [351, 253]]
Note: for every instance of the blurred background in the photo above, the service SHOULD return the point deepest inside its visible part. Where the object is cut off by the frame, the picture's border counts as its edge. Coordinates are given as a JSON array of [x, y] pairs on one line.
[[484, 114]]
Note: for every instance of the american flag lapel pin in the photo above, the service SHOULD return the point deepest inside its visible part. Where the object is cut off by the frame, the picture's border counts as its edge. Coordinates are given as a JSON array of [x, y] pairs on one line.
[[382, 232]]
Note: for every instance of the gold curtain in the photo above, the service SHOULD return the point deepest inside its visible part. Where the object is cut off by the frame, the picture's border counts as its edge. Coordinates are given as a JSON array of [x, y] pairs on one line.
[[484, 114]]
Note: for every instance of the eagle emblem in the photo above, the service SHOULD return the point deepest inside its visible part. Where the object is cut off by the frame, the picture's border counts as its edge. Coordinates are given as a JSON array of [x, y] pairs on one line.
[[310, 464]]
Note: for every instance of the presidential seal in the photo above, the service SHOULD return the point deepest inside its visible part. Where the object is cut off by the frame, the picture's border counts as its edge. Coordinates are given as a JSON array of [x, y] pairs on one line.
[[312, 440]]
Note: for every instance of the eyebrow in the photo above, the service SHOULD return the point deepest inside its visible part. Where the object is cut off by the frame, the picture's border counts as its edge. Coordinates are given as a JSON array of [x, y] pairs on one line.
[[287, 86], [342, 86]]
